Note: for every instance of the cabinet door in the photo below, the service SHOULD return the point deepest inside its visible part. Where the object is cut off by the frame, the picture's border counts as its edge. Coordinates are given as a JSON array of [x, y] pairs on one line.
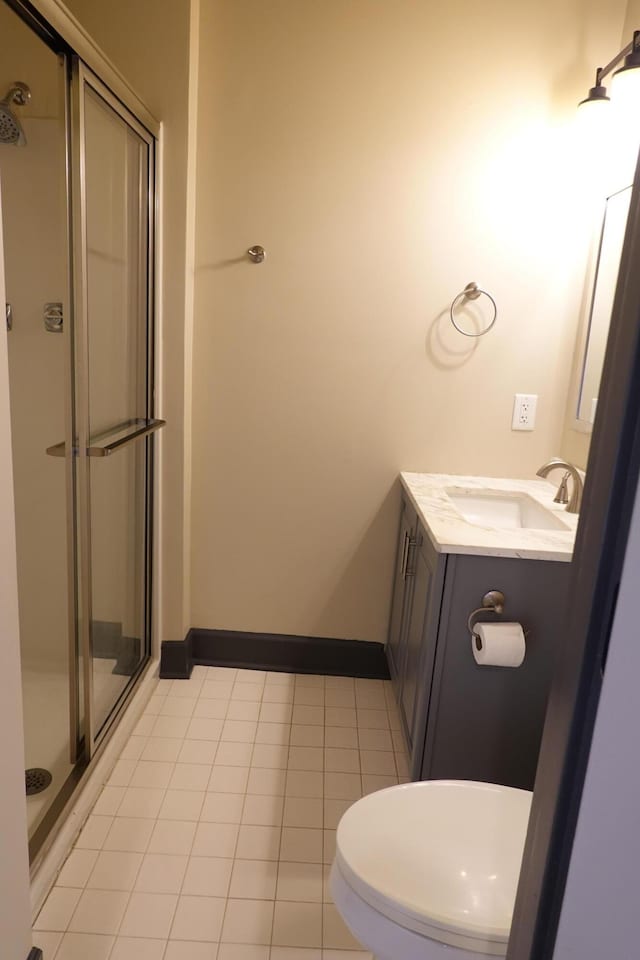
[[401, 588], [422, 627]]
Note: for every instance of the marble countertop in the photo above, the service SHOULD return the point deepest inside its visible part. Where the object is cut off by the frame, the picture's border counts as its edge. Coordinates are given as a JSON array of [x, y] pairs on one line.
[[449, 532]]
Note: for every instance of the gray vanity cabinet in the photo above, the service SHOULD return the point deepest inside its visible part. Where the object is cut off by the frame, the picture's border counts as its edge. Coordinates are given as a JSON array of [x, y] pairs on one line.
[[464, 721]]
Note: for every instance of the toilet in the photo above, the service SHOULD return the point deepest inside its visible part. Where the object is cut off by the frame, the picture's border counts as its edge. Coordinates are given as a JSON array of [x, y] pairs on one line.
[[429, 870]]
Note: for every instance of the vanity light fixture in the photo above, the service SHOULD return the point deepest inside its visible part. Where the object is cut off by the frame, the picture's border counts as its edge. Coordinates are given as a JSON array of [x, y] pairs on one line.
[[626, 80]]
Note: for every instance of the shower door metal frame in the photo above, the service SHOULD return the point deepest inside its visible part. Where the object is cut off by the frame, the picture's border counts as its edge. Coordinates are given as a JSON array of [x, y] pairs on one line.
[[81, 78]]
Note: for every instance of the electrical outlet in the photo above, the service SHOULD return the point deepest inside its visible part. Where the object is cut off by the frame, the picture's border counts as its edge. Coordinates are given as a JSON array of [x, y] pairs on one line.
[[524, 411]]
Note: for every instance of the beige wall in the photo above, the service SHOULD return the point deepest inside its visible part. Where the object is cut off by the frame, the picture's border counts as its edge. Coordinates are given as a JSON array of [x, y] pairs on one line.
[[382, 174], [148, 41]]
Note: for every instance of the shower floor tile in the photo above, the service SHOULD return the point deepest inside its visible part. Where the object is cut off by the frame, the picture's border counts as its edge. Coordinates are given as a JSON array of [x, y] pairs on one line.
[[218, 846]]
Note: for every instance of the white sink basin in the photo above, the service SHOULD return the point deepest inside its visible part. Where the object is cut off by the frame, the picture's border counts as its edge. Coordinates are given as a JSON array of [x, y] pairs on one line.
[[507, 511]]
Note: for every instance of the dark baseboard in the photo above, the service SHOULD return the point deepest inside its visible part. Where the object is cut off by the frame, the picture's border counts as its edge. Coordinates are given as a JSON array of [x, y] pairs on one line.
[[35, 954], [272, 651]]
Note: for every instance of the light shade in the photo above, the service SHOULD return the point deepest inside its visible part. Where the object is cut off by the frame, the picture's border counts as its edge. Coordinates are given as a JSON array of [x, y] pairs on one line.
[[625, 89], [597, 97]]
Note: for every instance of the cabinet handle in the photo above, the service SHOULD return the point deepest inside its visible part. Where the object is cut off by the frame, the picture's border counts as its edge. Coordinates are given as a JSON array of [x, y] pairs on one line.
[[405, 551], [410, 571]]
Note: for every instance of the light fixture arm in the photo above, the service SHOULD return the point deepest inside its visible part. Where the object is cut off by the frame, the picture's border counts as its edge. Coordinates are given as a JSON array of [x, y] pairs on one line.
[[632, 47]]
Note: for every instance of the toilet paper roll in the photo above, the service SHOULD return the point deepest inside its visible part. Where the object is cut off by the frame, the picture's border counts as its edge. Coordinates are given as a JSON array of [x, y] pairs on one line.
[[498, 644]]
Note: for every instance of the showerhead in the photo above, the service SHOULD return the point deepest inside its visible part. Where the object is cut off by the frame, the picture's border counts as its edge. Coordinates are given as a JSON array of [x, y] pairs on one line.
[[10, 128]]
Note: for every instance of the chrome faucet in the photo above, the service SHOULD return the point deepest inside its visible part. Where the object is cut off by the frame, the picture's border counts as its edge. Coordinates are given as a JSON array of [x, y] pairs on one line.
[[574, 501]]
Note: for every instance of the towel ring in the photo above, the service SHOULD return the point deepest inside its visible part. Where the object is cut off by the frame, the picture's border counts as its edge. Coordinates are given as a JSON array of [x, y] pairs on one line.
[[471, 292]]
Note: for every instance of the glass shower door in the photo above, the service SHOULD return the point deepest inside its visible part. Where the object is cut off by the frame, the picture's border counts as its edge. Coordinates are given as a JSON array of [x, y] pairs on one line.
[[114, 392]]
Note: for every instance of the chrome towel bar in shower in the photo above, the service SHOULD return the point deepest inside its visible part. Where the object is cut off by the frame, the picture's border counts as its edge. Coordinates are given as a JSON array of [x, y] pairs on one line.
[[108, 442]]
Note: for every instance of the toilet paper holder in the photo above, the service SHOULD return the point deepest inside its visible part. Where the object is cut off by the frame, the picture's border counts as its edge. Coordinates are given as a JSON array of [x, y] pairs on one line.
[[492, 602]]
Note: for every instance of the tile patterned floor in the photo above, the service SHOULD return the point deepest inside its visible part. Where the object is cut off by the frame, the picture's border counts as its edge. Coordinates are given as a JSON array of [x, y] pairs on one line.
[[213, 838]]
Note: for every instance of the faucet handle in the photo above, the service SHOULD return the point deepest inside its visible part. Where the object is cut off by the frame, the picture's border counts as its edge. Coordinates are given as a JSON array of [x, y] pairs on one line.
[[562, 493]]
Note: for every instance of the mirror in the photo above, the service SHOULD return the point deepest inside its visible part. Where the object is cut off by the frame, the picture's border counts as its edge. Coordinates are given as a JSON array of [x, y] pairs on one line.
[[600, 305]]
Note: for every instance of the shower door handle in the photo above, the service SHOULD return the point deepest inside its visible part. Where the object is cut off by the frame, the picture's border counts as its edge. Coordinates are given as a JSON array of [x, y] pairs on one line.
[[124, 434], [113, 440]]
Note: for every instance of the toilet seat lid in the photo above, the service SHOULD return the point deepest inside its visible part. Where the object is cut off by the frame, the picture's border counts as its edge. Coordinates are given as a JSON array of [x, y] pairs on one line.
[[439, 856]]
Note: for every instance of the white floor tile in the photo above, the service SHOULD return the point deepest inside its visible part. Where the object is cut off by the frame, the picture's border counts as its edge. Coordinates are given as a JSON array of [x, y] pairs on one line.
[[141, 802], [198, 918], [170, 726], [232, 754], [273, 756], [248, 774], [178, 707], [149, 915], [307, 735], [133, 748], [254, 880], [243, 710], [162, 748], [340, 716], [129, 835], [228, 779], [301, 845], [247, 691], [248, 921], [109, 800], [115, 871], [333, 811], [99, 911], [172, 836], [137, 948], [243, 951], [258, 843], [161, 873], [263, 811], [295, 953], [303, 812], [297, 924], [339, 760], [373, 719], [300, 882], [190, 776], [304, 783], [181, 805], [273, 733], [374, 781], [215, 840], [374, 739], [344, 737], [198, 751], [204, 729], [207, 877], [277, 693], [276, 712], [266, 782], [152, 774], [186, 950], [342, 786], [309, 696], [77, 868], [222, 808], [335, 934], [306, 758], [379, 762], [239, 731], [339, 697], [84, 946], [58, 909], [211, 709]]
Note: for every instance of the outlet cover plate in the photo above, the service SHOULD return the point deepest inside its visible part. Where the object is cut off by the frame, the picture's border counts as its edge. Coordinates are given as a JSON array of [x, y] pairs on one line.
[[524, 411]]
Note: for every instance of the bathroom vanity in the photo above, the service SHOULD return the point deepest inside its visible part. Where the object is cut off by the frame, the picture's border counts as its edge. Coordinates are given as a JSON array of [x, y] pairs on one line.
[[459, 538]]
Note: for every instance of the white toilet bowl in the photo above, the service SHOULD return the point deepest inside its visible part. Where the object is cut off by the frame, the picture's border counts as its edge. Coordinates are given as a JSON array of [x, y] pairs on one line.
[[429, 870]]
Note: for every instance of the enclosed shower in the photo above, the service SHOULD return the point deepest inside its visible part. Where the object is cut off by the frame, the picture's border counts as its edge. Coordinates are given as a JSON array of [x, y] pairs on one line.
[[77, 193]]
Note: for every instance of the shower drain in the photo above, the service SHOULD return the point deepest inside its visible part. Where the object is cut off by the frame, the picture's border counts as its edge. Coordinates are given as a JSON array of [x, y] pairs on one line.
[[36, 780]]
